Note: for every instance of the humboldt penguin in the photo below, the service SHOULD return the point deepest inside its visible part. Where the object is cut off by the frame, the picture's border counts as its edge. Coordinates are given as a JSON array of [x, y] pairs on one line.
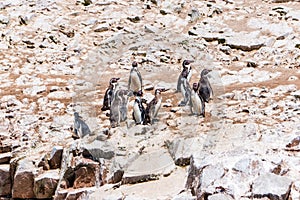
[[109, 93], [197, 104], [118, 108], [123, 95], [135, 79], [204, 88], [185, 89], [186, 69], [153, 106], [115, 115], [81, 129], [138, 113]]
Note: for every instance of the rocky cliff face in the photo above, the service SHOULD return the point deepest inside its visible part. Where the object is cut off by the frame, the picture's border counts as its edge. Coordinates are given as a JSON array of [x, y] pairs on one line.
[[57, 57]]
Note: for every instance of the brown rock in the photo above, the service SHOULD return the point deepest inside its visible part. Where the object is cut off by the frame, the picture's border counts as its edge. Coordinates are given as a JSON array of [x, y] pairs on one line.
[[5, 158], [5, 183], [86, 173], [55, 157], [5, 148], [45, 184], [24, 180]]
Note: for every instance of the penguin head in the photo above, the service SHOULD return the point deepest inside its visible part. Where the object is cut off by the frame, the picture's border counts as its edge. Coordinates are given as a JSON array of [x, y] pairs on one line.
[[205, 72], [186, 64], [113, 80], [138, 93], [134, 64], [195, 86]]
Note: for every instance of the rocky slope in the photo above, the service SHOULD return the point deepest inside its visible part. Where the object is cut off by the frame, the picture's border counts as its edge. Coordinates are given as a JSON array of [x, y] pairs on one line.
[[57, 57]]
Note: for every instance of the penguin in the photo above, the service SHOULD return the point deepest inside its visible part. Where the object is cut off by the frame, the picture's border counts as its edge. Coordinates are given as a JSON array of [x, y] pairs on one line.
[[109, 93], [204, 88], [123, 95], [138, 113], [197, 104], [81, 129], [118, 108], [153, 106], [185, 89], [115, 114], [135, 79], [186, 68]]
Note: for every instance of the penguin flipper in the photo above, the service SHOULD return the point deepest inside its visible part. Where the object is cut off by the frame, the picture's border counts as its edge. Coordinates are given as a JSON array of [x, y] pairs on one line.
[[178, 84]]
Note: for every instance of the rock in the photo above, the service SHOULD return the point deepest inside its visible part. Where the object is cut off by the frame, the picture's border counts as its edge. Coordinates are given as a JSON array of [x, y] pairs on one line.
[[219, 197], [5, 148], [5, 183], [245, 41], [87, 173], [4, 19], [181, 149], [150, 29], [5, 157], [138, 130], [293, 14], [60, 95], [97, 150], [296, 94], [34, 90], [102, 28], [272, 186], [74, 194], [45, 184], [24, 179], [187, 195], [55, 157], [225, 49], [148, 166]]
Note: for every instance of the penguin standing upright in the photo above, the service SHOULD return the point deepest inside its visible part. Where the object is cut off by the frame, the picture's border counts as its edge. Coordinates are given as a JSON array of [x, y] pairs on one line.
[[123, 95], [186, 69], [153, 106], [204, 88], [81, 129], [109, 93], [197, 104], [135, 79], [138, 113], [115, 112], [185, 89]]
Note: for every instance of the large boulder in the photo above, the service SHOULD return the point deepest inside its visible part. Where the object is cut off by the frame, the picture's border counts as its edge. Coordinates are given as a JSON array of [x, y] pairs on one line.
[[149, 166], [55, 157], [181, 149], [273, 186], [24, 180], [97, 150], [45, 184], [5, 183]]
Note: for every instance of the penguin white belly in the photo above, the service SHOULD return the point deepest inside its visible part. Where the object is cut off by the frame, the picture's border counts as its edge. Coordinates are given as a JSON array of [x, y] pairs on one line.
[[189, 75], [196, 103], [135, 82], [137, 113], [156, 108]]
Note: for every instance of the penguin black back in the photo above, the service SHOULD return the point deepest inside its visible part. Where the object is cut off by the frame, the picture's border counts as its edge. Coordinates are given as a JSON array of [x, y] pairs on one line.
[[108, 97], [81, 129], [204, 87]]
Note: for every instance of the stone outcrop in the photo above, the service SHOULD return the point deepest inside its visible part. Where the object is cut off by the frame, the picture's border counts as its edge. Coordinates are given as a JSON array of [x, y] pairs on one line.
[[45, 184], [23, 184], [271, 186], [57, 57], [5, 185]]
